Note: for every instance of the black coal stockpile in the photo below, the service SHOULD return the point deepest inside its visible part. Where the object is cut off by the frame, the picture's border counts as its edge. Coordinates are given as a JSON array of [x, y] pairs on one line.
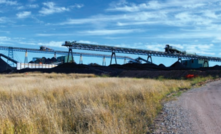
[[162, 66], [44, 60], [216, 67], [178, 65], [67, 65], [135, 66], [4, 67]]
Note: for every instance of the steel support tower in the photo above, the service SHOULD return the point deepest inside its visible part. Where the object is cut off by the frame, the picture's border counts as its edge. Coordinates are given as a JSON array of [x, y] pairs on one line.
[[113, 55], [70, 53], [26, 57], [104, 61], [10, 55], [81, 59]]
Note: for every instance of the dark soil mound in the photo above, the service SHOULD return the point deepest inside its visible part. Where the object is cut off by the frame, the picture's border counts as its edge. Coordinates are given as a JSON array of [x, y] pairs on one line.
[[216, 67], [4, 67], [94, 64], [162, 65], [76, 68], [178, 65], [67, 65], [135, 66], [150, 65]]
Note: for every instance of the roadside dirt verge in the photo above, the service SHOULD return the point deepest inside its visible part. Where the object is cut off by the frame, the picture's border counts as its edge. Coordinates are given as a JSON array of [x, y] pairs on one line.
[[196, 111]]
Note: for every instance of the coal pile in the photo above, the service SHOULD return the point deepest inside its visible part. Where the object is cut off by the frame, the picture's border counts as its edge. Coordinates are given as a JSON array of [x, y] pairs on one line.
[[76, 68], [67, 65], [81, 68], [178, 65], [44, 60], [136, 66], [162, 65], [94, 64], [176, 70], [217, 67], [4, 67]]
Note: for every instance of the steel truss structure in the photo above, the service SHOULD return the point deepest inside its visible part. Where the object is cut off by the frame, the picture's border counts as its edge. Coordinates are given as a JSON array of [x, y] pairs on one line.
[[148, 53], [8, 58], [19, 49]]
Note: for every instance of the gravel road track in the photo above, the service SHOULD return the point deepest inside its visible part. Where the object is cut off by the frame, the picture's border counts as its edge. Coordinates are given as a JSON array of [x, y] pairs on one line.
[[197, 111]]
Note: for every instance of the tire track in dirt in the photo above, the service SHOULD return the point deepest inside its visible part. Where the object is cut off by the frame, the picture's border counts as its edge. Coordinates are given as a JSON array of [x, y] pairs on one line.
[[204, 107]]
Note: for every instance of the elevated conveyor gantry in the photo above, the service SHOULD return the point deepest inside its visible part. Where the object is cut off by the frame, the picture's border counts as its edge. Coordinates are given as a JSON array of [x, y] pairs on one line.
[[148, 53], [55, 52]]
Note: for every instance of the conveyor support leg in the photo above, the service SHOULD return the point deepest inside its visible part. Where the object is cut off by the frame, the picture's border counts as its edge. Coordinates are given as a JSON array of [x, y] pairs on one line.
[[81, 59], [125, 60], [113, 54], [26, 56], [206, 62], [104, 61], [149, 57], [10, 55], [70, 52]]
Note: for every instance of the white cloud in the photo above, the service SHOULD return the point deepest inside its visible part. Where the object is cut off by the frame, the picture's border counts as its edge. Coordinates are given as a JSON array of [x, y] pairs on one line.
[[160, 47], [33, 5], [23, 41], [47, 35], [210, 14], [3, 19], [8, 2], [95, 32], [77, 6], [109, 32], [196, 5], [142, 16], [190, 35], [52, 43], [131, 7], [172, 12], [20, 7], [157, 47], [26, 43], [28, 6], [181, 16], [7, 32], [4, 38], [24, 14], [156, 4], [87, 42], [51, 9], [118, 3], [201, 49], [217, 39]]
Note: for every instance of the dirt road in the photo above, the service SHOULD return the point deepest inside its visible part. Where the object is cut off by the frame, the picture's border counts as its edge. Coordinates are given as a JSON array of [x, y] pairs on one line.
[[204, 107], [197, 111]]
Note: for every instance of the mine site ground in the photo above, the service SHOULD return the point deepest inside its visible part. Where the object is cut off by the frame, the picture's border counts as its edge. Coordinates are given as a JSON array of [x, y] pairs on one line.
[[194, 112], [130, 98]]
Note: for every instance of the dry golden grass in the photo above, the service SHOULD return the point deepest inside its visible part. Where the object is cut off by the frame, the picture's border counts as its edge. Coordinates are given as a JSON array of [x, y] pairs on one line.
[[60, 103]]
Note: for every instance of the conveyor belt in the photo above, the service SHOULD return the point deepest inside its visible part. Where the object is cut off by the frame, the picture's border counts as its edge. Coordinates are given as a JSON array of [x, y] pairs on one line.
[[60, 52], [104, 48]]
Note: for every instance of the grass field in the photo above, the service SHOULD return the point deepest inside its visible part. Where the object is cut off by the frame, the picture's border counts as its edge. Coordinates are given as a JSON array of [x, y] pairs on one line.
[[59, 103]]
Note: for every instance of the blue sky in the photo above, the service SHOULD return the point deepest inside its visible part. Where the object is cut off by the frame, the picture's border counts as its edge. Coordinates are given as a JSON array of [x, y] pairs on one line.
[[192, 25]]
